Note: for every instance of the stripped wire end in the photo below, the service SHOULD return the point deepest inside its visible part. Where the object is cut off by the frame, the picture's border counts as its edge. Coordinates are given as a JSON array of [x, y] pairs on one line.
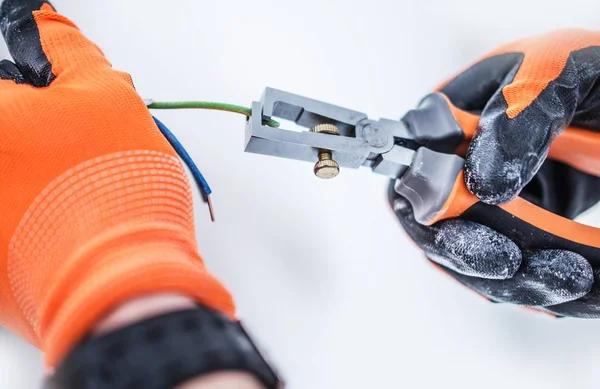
[[210, 208]]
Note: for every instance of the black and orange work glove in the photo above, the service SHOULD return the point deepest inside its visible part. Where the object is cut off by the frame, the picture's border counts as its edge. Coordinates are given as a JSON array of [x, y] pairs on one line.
[[526, 94], [96, 209]]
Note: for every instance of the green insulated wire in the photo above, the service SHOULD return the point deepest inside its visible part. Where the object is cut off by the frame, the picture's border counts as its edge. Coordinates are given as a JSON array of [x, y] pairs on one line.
[[208, 105], [183, 154]]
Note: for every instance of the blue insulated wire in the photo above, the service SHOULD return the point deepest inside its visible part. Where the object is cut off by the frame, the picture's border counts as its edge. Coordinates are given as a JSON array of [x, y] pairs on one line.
[[183, 154]]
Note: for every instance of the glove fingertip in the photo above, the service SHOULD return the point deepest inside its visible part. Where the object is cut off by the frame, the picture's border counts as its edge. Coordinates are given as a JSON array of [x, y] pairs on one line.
[[579, 274], [489, 176], [561, 276], [475, 250]]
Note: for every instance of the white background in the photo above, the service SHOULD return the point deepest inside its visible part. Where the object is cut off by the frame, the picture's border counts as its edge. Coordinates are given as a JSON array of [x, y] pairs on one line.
[[321, 271]]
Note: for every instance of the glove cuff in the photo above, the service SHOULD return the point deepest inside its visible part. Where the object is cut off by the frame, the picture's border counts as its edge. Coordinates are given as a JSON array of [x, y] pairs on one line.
[[151, 266], [163, 352]]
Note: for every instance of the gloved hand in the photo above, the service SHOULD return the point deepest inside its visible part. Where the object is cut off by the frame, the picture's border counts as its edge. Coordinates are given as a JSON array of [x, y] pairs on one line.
[[95, 206], [527, 92]]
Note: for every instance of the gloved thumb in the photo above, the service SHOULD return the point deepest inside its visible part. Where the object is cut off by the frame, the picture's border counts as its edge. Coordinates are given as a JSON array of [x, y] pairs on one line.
[[535, 102], [506, 152]]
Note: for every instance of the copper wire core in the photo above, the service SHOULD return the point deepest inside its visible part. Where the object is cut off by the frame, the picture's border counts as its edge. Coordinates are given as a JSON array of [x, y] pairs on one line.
[[210, 208]]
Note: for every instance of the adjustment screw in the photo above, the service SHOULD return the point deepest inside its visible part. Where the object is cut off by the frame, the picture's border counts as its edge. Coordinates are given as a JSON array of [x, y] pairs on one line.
[[326, 168]]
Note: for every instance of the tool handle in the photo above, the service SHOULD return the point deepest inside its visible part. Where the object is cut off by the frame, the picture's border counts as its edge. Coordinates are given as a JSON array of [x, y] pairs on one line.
[[441, 126], [435, 187], [576, 147]]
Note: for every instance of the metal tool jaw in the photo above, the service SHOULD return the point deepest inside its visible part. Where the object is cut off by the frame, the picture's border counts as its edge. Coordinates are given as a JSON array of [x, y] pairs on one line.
[[379, 145]]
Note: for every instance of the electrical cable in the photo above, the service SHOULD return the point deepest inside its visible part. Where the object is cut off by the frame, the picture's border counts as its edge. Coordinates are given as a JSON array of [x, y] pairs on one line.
[[187, 159], [182, 152], [208, 105]]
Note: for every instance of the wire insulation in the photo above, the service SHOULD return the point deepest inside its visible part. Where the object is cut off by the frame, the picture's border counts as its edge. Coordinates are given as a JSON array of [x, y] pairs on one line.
[[183, 154], [208, 105]]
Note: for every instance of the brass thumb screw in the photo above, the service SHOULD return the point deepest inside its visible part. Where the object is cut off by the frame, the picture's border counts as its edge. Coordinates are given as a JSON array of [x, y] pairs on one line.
[[326, 168]]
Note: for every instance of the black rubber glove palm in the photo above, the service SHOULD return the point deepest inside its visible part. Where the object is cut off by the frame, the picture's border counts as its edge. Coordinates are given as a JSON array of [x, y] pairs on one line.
[[527, 93]]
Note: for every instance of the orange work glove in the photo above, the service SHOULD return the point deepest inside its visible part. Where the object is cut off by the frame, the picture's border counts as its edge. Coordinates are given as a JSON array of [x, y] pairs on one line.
[[95, 205]]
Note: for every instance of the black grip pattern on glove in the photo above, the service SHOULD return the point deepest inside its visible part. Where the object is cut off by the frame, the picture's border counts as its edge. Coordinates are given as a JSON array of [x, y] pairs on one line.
[[163, 352], [493, 265]]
